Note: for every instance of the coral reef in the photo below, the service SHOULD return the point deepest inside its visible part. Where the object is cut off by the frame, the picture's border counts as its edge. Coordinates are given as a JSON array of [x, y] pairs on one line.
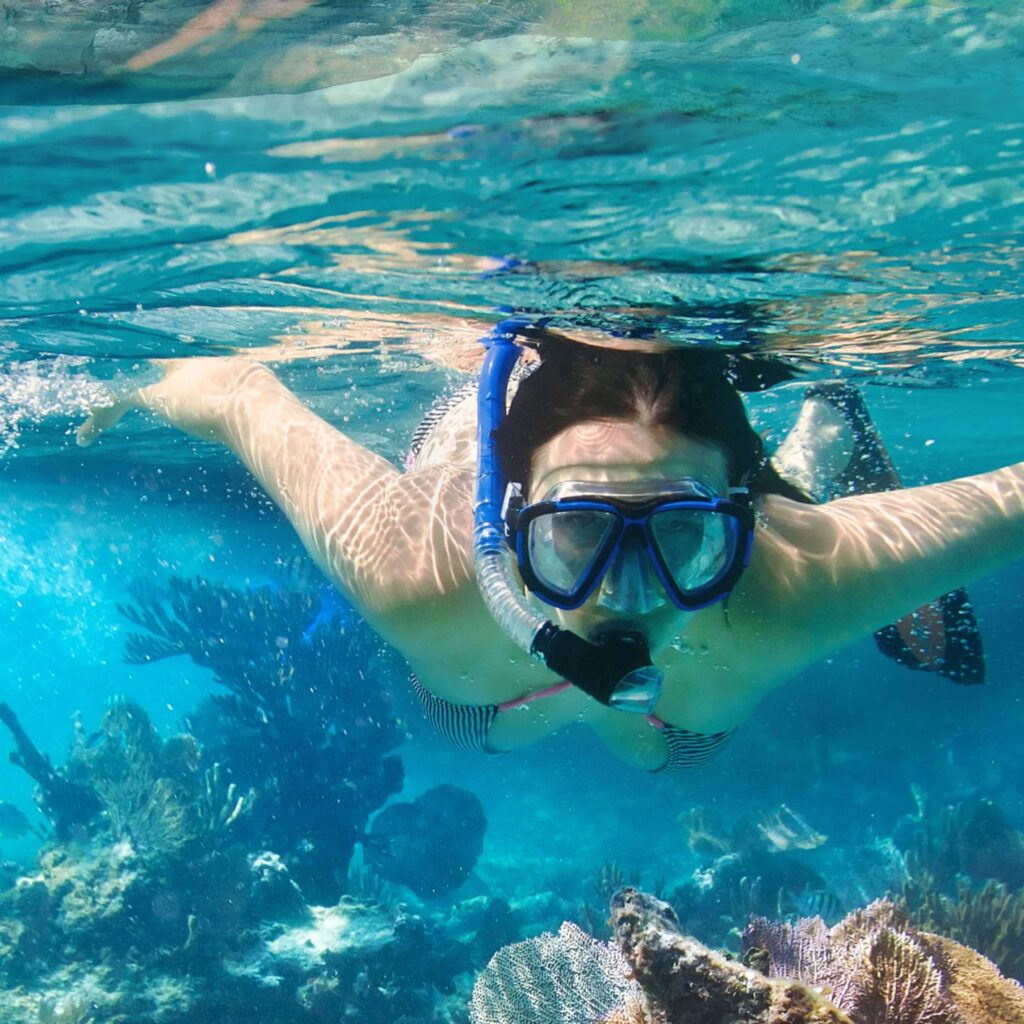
[[201, 876], [879, 969], [684, 980], [764, 864], [140, 872], [972, 838], [965, 869], [605, 882], [649, 974], [430, 844], [67, 806], [871, 968], [989, 919], [717, 901], [305, 721], [162, 911]]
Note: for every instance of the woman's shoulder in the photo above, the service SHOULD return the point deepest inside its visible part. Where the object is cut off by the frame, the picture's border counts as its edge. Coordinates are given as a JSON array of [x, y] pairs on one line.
[[446, 435]]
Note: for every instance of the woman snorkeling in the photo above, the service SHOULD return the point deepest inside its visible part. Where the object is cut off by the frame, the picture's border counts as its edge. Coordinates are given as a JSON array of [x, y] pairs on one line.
[[615, 549]]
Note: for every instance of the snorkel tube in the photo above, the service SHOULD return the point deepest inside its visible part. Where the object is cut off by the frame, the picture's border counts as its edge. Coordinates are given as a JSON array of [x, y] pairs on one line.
[[617, 669]]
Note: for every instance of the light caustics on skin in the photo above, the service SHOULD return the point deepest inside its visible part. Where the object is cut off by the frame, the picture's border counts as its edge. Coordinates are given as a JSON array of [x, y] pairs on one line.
[[343, 498], [893, 551], [339, 495], [241, 16]]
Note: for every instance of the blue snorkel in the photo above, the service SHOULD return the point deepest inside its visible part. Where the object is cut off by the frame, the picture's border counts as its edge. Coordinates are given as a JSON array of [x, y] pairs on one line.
[[617, 669]]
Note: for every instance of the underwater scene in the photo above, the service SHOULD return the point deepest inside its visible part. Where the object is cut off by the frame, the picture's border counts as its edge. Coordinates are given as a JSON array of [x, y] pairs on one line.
[[712, 713]]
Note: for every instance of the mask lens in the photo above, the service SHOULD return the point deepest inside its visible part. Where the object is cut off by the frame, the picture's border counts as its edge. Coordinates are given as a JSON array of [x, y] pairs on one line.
[[695, 545], [563, 546]]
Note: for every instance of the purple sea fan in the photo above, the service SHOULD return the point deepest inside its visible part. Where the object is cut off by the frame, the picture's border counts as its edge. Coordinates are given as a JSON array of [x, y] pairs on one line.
[[800, 950], [873, 965]]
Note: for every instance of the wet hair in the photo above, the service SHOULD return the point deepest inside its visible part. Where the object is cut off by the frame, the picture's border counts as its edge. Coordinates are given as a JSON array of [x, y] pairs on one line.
[[692, 391]]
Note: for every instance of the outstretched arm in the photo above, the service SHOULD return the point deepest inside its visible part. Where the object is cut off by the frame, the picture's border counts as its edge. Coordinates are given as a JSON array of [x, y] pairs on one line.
[[837, 572], [387, 539]]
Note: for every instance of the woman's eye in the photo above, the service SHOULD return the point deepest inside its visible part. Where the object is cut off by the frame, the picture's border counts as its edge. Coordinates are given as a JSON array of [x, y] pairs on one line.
[[580, 529], [678, 530]]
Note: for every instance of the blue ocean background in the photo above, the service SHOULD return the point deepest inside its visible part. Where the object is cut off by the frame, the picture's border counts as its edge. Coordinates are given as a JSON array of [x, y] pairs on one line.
[[839, 183]]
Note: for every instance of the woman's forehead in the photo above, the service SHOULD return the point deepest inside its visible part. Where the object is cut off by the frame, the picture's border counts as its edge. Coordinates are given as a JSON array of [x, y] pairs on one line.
[[613, 450]]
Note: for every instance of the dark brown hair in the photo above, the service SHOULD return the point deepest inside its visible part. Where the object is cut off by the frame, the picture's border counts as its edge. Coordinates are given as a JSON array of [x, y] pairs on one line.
[[693, 391]]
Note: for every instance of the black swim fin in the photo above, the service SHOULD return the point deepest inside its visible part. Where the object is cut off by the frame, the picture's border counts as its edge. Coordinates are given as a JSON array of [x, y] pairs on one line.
[[942, 636]]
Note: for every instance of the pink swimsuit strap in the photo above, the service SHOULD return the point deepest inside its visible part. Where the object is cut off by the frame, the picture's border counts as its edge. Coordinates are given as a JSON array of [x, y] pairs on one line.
[[550, 691], [519, 702]]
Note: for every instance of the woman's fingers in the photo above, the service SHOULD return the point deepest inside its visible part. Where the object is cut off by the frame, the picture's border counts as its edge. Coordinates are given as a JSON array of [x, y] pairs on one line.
[[102, 418], [106, 416]]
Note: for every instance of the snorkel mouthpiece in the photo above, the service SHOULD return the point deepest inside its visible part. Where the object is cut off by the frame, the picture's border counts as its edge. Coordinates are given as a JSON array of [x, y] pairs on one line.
[[617, 668]]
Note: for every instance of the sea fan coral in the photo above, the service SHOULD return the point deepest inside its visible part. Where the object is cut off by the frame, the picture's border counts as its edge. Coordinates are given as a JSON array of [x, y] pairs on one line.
[[878, 968], [568, 978], [871, 968], [904, 983], [147, 787]]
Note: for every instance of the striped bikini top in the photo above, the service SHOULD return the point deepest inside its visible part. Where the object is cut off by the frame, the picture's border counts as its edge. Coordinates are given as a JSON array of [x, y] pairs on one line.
[[466, 726]]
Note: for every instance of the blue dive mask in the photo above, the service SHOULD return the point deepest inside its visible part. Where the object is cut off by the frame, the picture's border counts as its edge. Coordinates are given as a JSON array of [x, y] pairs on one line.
[[617, 668], [639, 541]]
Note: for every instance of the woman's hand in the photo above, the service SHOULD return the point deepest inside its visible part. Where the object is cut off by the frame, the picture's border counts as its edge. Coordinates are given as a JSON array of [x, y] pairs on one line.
[[194, 395]]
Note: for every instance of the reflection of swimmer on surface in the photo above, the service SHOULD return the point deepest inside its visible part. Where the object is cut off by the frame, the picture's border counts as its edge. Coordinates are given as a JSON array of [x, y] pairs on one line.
[[642, 490]]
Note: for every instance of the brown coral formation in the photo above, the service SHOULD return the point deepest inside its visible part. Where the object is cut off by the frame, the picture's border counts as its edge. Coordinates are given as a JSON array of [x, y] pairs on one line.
[[881, 970], [980, 992]]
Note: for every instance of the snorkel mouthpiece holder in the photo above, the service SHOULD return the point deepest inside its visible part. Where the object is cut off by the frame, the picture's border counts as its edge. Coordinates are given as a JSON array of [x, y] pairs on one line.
[[617, 669]]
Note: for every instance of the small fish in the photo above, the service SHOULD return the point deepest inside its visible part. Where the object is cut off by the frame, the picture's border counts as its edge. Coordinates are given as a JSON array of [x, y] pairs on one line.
[[821, 903], [13, 824]]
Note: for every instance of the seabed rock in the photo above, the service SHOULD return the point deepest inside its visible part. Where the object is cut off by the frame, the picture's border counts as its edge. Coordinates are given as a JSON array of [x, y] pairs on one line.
[[685, 981]]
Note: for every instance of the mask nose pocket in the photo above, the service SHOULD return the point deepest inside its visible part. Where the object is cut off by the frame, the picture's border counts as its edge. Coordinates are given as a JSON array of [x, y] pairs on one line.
[[630, 585]]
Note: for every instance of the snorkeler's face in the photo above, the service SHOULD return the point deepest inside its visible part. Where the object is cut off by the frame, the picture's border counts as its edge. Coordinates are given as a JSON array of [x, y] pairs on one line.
[[608, 452]]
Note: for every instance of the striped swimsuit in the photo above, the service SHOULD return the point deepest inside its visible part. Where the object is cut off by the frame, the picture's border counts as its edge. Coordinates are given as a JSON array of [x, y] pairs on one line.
[[466, 725]]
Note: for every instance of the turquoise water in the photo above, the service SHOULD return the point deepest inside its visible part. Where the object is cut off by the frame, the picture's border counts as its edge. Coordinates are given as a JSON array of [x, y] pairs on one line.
[[839, 183]]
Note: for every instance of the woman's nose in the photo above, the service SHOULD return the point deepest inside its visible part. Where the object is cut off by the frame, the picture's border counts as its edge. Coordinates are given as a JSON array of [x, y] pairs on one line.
[[630, 586]]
